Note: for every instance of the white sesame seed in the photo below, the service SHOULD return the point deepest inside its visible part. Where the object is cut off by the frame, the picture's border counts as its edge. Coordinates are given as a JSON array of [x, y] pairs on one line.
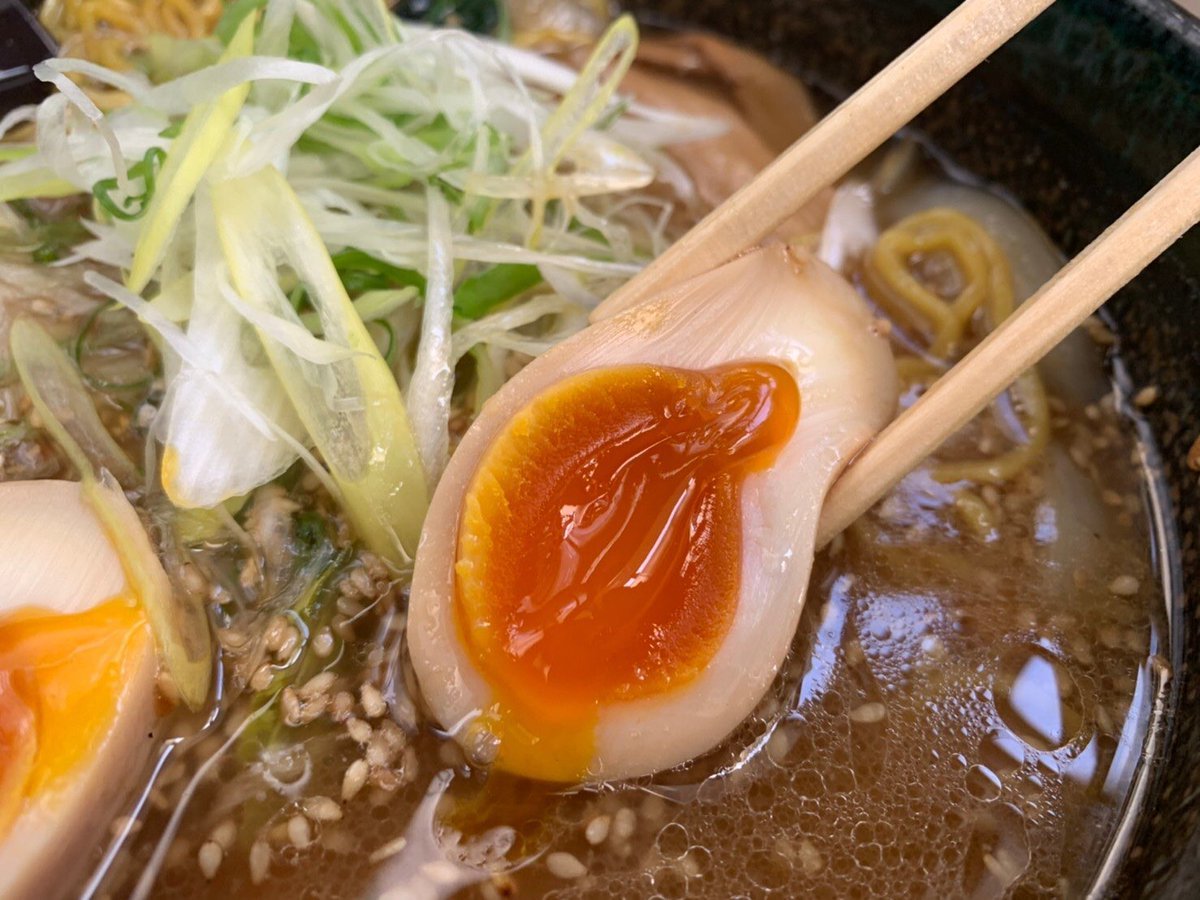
[[355, 778], [868, 713], [342, 706], [291, 642], [596, 830], [565, 865], [1099, 332], [322, 809], [299, 832], [359, 730], [210, 857], [260, 862], [385, 779], [378, 752], [275, 633], [853, 652], [261, 679], [290, 704], [317, 685], [224, 834], [1145, 396], [409, 765], [322, 643], [231, 638], [624, 824], [348, 606], [372, 701], [654, 808], [361, 581], [810, 857], [393, 735], [932, 645], [391, 848], [1124, 586]]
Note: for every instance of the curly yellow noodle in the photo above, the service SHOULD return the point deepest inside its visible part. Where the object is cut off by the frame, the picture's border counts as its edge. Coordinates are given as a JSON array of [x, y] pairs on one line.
[[108, 32], [976, 513], [915, 370], [187, 13], [943, 323]]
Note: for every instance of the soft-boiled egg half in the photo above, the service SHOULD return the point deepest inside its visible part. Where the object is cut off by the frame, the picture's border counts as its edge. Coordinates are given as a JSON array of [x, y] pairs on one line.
[[77, 686], [615, 560]]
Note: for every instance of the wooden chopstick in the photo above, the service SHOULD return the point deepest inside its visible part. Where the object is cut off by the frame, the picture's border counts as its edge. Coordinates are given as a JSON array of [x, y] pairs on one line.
[[1110, 262], [836, 144]]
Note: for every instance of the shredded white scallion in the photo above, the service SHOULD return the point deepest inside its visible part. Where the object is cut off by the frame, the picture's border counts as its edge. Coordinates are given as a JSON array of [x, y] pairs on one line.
[[341, 214]]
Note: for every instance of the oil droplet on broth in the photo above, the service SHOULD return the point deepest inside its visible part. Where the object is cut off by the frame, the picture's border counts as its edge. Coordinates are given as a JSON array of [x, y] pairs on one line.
[[1002, 753], [983, 784], [1038, 699]]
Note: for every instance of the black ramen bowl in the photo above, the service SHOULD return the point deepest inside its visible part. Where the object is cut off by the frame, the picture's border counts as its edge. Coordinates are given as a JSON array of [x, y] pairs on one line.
[[1077, 117]]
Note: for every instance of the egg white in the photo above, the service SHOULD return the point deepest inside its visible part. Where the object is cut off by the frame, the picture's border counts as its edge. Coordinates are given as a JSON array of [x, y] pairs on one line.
[[774, 304], [54, 555]]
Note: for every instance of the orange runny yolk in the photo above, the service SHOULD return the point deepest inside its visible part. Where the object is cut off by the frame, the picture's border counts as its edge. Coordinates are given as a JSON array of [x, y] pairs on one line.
[[60, 680], [599, 551]]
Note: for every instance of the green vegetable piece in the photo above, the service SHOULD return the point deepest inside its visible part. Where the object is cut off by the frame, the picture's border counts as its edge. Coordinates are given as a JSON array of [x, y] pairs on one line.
[[479, 295], [133, 206], [361, 272], [232, 17]]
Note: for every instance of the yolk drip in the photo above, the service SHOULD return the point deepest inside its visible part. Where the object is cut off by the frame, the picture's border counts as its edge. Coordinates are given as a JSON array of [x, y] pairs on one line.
[[60, 680], [599, 553]]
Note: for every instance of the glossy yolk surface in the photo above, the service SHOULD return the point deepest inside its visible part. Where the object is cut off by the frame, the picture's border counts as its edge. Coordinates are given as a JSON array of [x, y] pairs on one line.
[[61, 677], [599, 554]]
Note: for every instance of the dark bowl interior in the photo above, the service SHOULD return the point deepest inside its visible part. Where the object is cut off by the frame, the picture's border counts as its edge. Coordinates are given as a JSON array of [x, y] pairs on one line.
[[1077, 117]]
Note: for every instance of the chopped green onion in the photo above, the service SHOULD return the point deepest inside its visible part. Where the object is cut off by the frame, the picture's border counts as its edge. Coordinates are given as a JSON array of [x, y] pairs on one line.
[[360, 272], [479, 295], [134, 206]]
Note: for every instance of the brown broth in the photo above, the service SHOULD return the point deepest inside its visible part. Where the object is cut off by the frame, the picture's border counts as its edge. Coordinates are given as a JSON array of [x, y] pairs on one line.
[[961, 715]]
